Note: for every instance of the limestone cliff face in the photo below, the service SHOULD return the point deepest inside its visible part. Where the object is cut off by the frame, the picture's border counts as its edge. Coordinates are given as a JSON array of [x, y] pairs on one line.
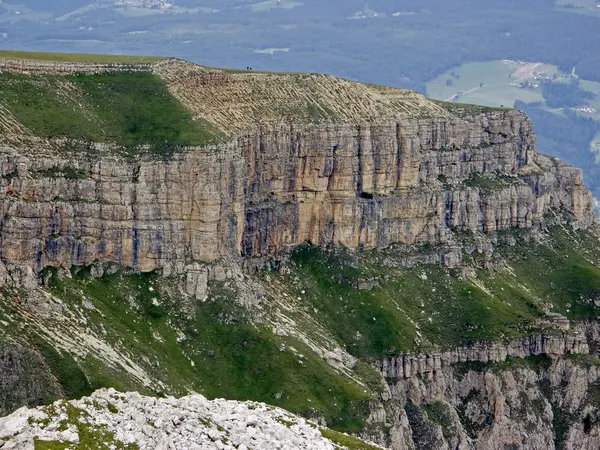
[[144, 215], [357, 185], [476, 398], [408, 181], [408, 366], [497, 409]]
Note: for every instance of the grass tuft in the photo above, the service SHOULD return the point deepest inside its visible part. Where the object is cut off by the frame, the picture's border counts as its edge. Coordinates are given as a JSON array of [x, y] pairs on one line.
[[345, 441]]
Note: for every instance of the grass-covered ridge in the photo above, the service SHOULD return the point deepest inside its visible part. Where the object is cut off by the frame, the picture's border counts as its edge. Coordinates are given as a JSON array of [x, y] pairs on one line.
[[127, 109], [89, 58], [181, 104], [468, 109], [345, 441]]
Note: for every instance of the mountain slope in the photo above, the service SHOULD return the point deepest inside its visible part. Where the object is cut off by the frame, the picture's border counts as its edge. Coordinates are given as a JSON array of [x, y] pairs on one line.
[[356, 254]]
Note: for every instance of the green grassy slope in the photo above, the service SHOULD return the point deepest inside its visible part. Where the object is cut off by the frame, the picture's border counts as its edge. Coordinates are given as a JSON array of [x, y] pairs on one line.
[[220, 349], [127, 109], [414, 308]]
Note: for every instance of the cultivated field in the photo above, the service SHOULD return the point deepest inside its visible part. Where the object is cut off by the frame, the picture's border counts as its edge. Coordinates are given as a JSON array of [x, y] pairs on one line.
[[594, 87], [595, 147], [500, 81]]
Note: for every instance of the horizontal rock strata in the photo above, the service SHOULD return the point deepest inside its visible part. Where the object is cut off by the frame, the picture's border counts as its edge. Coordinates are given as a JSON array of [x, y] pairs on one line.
[[407, 366], [360, 186], [32, 67]]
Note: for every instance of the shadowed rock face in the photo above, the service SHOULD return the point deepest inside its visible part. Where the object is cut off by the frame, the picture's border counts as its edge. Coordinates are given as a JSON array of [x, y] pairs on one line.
[[361, 186], [475, 398], [512, 408], [25, 378]]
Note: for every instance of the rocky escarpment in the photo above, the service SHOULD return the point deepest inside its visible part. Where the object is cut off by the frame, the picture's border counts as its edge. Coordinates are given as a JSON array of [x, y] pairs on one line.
[[538, 393], [303, 158], [532, 404], [25, 379], [360, 186], [414, 181], [407, 366]]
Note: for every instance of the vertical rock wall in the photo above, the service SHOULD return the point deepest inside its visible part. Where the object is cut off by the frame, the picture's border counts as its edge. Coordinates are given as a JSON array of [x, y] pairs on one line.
[[354, 185]]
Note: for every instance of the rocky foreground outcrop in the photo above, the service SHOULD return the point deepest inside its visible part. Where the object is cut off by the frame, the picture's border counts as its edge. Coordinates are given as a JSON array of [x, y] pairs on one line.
[[108, 418]]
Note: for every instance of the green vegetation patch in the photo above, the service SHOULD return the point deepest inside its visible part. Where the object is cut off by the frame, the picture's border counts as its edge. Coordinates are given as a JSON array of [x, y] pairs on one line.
[[466, 109], [441, 414], [217, 351], [584, 360], [535, 363], [67, 172], [490, 182], [66, 370], [345, 441], [474, 402], [241, 361], [409, 309], [90, 437], [561, 272], [128, 109]]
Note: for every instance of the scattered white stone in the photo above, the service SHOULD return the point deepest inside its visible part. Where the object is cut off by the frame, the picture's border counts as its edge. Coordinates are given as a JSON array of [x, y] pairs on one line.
[[88, 305], [14, 424], [192, 422]]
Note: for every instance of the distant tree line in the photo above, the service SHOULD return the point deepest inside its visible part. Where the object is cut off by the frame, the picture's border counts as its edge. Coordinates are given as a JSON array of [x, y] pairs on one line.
[[564, 95]]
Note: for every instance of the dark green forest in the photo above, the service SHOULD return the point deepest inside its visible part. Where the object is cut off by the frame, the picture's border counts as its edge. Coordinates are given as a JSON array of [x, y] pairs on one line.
[[565, 95]]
